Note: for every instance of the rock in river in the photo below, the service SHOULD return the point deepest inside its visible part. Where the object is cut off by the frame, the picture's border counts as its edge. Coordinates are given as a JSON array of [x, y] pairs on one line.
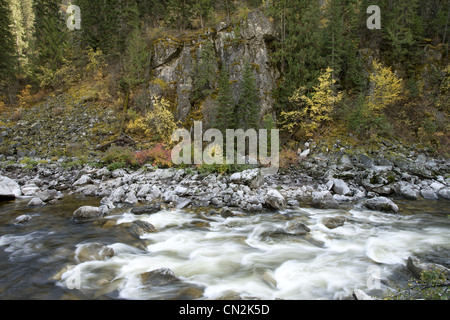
[[88, 212], [381, 204], [9, 189]]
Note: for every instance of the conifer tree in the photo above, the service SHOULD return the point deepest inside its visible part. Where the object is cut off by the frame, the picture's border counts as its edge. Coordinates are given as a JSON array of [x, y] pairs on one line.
[[205, 72], [51, 35], [225, 106], [299, 51], [248, 105], [7, 57]]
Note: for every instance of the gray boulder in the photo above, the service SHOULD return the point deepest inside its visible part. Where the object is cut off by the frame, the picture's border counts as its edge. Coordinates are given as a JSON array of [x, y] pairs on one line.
[[250, 177], [341, 188], [334, 222], [324, 200], [36, 202], [275, 200], [444, 193], [429, 194], [417, 266], [148, 209], [382, 204], [159, 277], [9, 189], [139, 228], [88, 212]]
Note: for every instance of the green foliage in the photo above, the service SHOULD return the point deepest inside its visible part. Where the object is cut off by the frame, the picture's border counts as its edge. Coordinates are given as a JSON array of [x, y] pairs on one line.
[[51, 37], [118, 154], [312, 110], [248, 103], [7, 56], [225, 110], [433, 285], [136, 61], [204, 75]]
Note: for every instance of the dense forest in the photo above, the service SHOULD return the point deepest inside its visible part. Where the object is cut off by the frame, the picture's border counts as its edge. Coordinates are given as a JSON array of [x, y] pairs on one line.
[[336, 74]]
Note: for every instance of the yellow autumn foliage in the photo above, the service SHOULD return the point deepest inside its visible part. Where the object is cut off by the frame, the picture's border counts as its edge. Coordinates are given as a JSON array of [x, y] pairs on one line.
[[386, 89], [159, 124], [314, 110]]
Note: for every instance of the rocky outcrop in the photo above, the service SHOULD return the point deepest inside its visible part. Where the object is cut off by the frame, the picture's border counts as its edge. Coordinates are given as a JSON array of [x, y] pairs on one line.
[[174, 60]]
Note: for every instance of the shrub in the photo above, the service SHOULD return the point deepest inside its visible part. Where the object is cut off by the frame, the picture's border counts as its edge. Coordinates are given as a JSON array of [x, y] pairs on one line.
[[157, 156], [288, 158], [117, 154]]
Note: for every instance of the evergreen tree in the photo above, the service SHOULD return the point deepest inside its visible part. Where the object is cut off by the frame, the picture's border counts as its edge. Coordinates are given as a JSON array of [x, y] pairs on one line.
[[402, 33], [7, 57], [205, 72], [299, 50], [248, 105], [341, 42], [225, 111], [136, 63], [22, 27], [51, 35]]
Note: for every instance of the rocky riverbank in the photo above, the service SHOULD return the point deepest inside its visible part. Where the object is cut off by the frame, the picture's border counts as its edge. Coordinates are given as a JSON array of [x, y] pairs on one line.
[[323, 181]]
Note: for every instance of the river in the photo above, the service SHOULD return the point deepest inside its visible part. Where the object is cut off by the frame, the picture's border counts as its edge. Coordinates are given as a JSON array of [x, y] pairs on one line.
[[247, 256]]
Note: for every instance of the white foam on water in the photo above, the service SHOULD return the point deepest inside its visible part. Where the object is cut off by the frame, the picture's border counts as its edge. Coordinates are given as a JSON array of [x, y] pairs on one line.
[[237, 254]]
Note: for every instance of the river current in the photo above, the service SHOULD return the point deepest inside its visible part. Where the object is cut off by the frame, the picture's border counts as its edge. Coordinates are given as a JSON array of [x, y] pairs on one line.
[[247, 255]]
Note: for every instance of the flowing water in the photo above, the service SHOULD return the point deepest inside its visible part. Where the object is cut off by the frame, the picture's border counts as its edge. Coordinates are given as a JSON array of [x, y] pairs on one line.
[[251, 256]]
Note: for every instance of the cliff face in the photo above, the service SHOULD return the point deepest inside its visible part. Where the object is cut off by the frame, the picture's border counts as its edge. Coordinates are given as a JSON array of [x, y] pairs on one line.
[[173, 60]]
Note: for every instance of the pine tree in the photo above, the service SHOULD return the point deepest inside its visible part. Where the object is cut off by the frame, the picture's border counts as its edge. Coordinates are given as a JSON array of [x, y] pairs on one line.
[[225, 106], [341, 42], [248, 105], [204, 76], [7, 57], [51, 35], [299, 51], [22, 27]]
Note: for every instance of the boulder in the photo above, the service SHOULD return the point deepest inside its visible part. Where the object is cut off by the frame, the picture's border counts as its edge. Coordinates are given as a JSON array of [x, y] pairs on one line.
[[159, 277], [93, 251], [429, 194], [148, 209], [408, 192], [250, 177], [341, 188], [88, 212], [47, 195], [324, 200], [139, 228], [21, 219], [298, 229], [275, 200], [36, 202], [9, 189], [416, 267], [444, 193], [361, 295], [30, 189], [382, 204], [334, 222], [84, 179]]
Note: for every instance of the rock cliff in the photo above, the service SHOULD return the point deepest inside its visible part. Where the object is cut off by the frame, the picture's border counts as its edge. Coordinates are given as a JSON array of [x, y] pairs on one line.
[[174, 58]]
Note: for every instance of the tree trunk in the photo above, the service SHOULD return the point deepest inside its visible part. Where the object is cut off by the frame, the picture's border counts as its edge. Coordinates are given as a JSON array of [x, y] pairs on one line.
[[125, 111]]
